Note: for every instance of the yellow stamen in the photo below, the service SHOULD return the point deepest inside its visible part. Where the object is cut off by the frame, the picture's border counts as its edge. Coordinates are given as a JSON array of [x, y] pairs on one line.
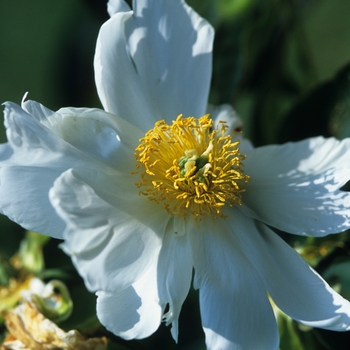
[[190, 168]]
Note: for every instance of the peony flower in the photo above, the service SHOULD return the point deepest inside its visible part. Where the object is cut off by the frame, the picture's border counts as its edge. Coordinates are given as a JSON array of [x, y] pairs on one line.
[[152, 188]]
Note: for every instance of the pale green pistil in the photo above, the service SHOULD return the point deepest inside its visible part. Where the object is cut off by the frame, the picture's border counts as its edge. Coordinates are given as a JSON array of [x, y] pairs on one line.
[[191, 163]]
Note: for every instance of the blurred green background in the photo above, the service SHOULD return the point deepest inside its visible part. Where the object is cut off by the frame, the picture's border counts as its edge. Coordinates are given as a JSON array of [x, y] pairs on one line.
[[283, 64]]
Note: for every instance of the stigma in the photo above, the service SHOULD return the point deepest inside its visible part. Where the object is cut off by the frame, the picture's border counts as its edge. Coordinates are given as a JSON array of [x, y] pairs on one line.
[[190, 168]]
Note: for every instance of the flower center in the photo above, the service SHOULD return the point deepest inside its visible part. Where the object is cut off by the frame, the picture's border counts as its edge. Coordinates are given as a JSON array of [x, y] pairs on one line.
[[190, 168]]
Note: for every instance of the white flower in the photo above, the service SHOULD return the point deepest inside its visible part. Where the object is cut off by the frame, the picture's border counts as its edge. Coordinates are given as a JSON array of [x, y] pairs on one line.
[[71, 174]]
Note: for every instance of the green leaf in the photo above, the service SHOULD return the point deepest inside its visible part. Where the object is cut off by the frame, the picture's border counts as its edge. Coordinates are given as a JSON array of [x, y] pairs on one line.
[[312, 114], [337, 275]]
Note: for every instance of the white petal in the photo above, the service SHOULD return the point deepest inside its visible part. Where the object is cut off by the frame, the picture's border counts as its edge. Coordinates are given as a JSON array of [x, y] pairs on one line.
[[29, 163], [154, 64], [38, 111], [26, 133], [225, 113], [24, 198], [112, 235], [235, 310], [295, 187], [174, 274], [6, 151], [228, 115], [115, 6], [136, 311], [43, 144], [293, 285], [128, 133], [90, 130], [132, 313]]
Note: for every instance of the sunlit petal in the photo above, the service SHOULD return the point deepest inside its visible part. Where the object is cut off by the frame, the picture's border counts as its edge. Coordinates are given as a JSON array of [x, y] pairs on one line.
[[296, 187]]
